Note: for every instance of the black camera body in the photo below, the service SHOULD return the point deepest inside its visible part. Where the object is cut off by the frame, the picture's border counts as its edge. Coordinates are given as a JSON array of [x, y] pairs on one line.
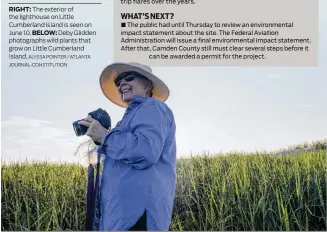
[[100, 115]]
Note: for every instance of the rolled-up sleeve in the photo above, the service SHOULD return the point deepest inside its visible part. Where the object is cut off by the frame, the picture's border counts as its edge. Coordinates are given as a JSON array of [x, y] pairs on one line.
[[142, 146]]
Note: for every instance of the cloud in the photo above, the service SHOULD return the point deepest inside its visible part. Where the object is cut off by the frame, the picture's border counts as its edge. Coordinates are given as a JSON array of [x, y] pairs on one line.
[[21, 121], [36, 139]]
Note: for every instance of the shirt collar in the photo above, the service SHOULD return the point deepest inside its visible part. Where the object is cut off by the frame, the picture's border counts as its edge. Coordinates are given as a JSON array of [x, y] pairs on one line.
[[136, 100]]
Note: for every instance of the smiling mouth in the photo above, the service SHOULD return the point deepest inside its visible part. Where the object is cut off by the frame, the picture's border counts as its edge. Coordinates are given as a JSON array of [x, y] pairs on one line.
[[125, 91]]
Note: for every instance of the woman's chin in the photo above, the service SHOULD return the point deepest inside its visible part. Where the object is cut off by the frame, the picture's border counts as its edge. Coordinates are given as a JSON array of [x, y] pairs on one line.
[[127, 97]]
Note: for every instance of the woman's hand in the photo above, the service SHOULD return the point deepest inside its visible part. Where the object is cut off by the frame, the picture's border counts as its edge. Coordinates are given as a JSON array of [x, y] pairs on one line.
[[95, 130]]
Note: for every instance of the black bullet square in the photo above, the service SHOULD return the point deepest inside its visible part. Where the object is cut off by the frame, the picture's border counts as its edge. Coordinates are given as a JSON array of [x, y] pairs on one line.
[[123, 24]]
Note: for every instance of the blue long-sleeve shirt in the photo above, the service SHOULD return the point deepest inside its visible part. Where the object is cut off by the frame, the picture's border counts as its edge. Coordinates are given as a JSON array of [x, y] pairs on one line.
[[139, 170]]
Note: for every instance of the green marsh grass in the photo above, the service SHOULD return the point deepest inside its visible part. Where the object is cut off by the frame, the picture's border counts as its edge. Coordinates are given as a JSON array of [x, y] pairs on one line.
[[227, 192]]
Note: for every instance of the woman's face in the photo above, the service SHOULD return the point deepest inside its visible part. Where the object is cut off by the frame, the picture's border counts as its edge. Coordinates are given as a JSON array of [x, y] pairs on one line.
[[136, 87]]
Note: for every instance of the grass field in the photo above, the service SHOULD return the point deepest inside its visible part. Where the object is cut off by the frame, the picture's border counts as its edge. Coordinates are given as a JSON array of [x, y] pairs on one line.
[[229, 192]]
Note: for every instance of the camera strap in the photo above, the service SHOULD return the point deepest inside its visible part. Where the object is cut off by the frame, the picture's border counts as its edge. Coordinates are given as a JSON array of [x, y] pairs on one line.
[[97, 201], [93, 204]]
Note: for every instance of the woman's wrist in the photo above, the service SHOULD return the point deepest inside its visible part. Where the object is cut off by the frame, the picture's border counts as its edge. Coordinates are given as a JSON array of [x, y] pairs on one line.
[[104, 136]]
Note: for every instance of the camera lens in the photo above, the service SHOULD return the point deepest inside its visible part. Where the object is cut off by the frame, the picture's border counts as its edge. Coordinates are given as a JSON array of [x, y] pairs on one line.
[[76, 129], [79, 129]]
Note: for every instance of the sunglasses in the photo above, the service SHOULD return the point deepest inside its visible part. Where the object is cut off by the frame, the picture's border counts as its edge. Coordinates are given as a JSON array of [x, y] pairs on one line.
[[128, 76]]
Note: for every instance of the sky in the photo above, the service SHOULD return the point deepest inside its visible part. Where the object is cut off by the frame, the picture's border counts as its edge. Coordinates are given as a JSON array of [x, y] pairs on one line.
[[216, 109]]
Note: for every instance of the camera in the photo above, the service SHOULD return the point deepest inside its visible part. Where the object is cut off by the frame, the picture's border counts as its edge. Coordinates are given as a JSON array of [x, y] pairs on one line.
[[100, 115]]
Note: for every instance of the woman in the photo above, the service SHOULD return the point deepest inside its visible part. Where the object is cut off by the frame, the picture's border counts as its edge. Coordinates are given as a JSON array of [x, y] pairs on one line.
[[139, 174]]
